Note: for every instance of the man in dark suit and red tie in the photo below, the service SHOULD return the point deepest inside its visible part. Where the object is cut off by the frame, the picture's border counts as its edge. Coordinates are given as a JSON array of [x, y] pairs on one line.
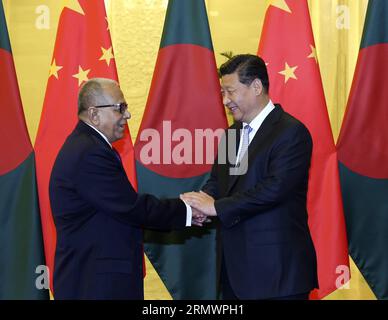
[[260, 196], [98, 215]]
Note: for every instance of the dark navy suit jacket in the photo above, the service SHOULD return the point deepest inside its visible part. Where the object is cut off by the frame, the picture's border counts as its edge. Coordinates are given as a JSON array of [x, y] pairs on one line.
[[99, 219], [267, 248]]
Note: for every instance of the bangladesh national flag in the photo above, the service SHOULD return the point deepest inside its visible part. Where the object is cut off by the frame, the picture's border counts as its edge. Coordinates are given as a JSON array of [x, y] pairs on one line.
[[21, 246], [363, 153], [287, 46], [83, 50], [176, 145]]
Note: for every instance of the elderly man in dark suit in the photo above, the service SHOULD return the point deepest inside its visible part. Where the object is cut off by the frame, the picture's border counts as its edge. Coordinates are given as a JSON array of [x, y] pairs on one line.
[[260, 196], [97, 214]]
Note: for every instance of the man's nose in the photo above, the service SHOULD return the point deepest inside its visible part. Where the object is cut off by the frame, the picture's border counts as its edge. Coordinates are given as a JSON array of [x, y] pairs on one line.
[[225, 100], [127, 115]]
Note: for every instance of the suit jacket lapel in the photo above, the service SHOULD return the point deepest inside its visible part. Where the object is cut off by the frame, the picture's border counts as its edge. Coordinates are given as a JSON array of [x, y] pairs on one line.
[[260, 137], [264, 130], [83, 127]]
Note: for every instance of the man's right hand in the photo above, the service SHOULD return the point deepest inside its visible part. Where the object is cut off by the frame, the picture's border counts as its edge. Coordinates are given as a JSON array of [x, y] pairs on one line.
[[198, 218]]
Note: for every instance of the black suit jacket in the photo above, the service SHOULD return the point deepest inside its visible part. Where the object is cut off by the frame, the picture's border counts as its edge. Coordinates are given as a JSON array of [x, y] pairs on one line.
[[267, 248], [99, 219]]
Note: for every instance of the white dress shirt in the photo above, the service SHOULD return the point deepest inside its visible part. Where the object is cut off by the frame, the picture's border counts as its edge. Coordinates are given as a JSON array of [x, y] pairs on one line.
[[256, 123]]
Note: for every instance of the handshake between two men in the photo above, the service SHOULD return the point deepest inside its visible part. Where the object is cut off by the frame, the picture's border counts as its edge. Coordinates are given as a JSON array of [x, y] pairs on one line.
[[202, 206]]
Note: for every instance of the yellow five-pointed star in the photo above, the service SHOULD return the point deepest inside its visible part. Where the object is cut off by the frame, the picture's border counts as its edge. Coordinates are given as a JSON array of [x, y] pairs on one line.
[[73, 5], [82, 75], [313, 53], [107, 55], [54, 69], [281, 4], [288, 72]]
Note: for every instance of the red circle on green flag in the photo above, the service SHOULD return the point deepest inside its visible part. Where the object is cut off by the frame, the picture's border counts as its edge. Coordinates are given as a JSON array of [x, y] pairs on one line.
[[15, 145], [184, 113]]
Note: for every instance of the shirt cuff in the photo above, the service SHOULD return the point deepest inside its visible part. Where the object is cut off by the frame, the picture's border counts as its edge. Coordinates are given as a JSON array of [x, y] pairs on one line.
[[189, 215]]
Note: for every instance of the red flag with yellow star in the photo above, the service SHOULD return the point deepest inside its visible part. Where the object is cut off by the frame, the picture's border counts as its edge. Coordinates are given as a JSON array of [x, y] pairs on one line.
[[83, 50], [287, 46]]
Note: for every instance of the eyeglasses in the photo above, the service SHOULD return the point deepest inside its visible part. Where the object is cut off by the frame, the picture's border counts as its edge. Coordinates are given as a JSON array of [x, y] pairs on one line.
[[122, 107]]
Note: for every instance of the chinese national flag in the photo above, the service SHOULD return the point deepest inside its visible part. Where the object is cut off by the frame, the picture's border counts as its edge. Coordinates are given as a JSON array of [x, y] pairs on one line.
[[287, 46], [83, 50]]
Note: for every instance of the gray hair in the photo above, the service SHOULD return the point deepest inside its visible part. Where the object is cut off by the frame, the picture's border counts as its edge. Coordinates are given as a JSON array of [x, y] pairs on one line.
[[92, 93]]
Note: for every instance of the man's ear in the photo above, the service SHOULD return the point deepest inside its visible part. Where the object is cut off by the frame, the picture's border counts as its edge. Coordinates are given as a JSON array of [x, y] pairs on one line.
[[258, 86], [93, 116]]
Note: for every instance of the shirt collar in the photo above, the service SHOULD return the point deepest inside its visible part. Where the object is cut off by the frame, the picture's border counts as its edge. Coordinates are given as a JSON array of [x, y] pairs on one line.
[[259, 119], [100, 133]]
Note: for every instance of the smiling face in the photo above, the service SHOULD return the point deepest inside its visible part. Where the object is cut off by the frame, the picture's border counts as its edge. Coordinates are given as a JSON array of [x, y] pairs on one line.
[[110, 121], [240, 99]]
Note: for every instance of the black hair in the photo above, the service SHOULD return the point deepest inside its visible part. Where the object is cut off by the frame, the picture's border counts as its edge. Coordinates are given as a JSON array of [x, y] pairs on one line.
[[248, 67]]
